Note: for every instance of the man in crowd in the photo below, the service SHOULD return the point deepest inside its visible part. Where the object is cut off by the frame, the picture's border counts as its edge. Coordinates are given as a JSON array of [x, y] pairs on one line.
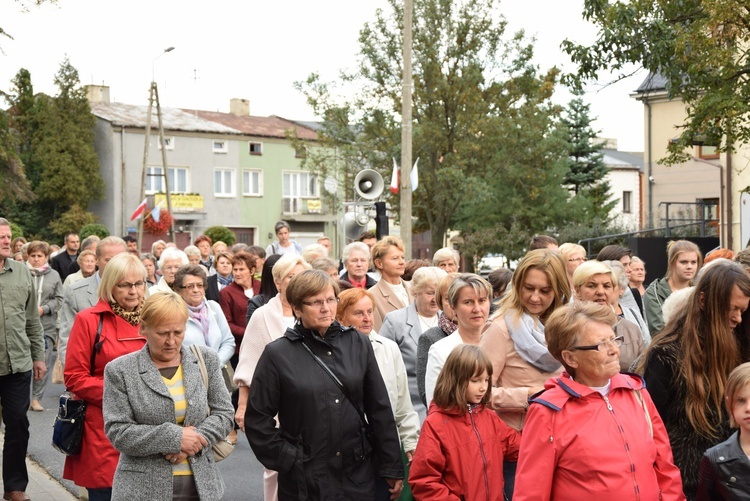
[[21, 356], [131, 242], [66, 262], [83, 294]]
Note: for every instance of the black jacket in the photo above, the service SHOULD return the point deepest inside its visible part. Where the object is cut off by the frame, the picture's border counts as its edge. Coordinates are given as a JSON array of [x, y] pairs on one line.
[[63, 265], [212, 288], [725, 472], [319, 449], [369, 281]]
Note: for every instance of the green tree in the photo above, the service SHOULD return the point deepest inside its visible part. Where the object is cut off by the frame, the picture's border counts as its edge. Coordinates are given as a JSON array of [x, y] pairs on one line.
[[14, 186], [469, 81], [221, 233], [699, 46]]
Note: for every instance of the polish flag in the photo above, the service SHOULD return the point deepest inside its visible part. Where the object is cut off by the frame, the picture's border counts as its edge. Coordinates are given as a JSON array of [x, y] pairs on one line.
[[139, 210], [414, 176], [394, 178]]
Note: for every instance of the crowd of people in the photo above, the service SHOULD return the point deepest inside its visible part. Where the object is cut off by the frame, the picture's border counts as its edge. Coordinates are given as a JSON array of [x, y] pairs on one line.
[[379, 377]]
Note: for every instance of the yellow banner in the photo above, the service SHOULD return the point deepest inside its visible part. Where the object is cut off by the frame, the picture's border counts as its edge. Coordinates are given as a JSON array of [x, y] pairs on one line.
[[184, 203], [314, 206]]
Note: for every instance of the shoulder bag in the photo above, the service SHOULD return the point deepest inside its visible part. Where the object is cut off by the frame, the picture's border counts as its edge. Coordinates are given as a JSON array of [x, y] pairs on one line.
[[67, 430], [223, 448], [365, 428]]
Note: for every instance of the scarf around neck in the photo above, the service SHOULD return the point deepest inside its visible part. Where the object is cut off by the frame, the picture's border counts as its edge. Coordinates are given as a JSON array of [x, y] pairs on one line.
[[224, 281], [37, 271], [446, 325], [528, 337], [200, 314], [131, 317]]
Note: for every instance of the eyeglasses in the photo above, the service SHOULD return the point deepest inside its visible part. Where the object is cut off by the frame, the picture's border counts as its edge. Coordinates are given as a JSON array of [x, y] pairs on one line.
[[170, 268], [193, 286], [126, 286], [577, 260], [320, 302], [601, 346]]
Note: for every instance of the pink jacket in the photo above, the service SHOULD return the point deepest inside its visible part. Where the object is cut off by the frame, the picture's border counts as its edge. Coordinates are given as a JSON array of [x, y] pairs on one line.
[[266, 325], [460, 456], [578, 445]]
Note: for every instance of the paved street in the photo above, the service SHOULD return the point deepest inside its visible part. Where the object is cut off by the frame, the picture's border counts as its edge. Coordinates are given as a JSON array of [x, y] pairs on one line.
[[243, 475]]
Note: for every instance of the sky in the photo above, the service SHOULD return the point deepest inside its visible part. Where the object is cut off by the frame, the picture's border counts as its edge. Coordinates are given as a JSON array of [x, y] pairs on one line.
[[256, 50]]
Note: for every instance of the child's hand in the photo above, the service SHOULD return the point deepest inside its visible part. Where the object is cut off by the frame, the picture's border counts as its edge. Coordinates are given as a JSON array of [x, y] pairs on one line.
[[396, 485]]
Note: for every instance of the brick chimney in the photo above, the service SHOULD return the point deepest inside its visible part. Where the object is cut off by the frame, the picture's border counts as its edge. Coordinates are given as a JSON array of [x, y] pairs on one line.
[[97, 93], [239, 107]]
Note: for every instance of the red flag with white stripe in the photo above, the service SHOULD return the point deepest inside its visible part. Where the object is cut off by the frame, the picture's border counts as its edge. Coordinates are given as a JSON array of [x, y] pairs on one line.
[[139, 210]]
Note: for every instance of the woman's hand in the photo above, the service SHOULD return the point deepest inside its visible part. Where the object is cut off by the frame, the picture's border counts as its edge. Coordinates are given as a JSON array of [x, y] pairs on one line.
[[396, 486], [176, 458], [409, 456], [192, 441], [534, 390], [239, 416]]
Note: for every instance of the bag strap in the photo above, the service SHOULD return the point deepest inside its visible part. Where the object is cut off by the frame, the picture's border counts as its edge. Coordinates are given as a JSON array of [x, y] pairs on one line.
[[201, 365], [639, 398], [337, 381], [97, 344]]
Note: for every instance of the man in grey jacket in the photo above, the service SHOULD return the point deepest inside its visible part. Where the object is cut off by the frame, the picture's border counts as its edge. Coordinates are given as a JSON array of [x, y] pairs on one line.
[[21, 355]]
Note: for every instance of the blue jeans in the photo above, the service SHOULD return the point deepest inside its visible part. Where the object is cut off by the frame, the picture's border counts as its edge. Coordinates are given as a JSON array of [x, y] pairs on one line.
[[14, 397]]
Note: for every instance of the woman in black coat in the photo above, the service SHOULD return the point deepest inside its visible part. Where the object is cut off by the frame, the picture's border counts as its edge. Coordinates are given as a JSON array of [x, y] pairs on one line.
[[319, 447]]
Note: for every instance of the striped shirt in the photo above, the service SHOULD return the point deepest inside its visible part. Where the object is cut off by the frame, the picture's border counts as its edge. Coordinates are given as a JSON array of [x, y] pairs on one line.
[[177, 392]]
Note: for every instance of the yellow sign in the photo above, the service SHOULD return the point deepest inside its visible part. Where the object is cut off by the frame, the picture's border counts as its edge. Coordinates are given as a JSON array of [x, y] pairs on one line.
[[313, 206], [181, 203]]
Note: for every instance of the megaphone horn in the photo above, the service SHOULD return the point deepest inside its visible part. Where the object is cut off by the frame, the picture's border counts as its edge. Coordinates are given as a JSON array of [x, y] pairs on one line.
[[369, 184]]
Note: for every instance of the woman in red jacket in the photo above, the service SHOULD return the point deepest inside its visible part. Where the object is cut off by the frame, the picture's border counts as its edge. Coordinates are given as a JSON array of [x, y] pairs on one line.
[[121, 296], [462, 445], [593, 433], [234, 298]]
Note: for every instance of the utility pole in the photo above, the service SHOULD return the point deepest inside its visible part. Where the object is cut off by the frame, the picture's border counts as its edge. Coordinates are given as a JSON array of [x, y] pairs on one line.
[[406, 131]]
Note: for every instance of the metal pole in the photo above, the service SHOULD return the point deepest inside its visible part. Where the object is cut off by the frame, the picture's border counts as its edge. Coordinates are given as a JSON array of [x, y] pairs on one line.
[[406, 132], [146, 136], [164, 162], [667, 232]]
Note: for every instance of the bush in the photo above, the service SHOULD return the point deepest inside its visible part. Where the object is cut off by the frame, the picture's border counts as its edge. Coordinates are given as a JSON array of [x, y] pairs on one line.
[[221, 233], [71, 220], [99, 230], [15, 230]]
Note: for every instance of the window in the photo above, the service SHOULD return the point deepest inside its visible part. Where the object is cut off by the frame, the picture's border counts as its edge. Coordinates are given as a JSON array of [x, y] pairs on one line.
[[224, 182], [220, 147], [295, 187], [178, 180], [168, 142], [255, 148], [707, 152], [252, 183], [627, 202]]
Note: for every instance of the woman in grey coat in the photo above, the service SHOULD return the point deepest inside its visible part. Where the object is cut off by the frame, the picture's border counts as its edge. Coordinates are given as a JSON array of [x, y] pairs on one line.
[[159, 414]]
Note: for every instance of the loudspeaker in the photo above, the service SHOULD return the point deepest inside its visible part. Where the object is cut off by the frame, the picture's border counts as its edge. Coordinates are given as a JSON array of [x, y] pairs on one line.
[[354, 223], [369, 184]]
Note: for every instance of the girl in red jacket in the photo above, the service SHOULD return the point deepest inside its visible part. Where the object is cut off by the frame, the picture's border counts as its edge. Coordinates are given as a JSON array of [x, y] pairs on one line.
[[462, 444]]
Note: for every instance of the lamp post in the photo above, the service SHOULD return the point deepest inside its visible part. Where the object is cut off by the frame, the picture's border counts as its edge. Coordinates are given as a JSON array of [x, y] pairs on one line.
[[154, 97]]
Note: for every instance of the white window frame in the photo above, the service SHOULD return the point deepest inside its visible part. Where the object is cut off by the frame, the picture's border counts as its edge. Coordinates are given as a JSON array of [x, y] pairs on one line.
[[168, 143], [223, 148], [291, 198], [627, 202], [155, 180], [245, 185], [221, 191], [250, 145]]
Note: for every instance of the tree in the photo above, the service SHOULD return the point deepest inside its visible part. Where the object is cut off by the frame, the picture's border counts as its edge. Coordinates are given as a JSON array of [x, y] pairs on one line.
[[469, 85], [698, 46], [221, 234], [14, 187]]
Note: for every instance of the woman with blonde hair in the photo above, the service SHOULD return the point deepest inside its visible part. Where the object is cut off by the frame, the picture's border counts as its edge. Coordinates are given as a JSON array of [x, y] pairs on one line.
[[684, 260], [406, 325], [687, 364], [573, 255], [391, 293], [514, 340]]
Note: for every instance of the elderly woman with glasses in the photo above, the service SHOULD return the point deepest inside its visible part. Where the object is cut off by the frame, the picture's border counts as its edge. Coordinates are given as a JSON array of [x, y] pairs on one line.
[[593, 433], [320, 446], [206, 323], [100, 334]]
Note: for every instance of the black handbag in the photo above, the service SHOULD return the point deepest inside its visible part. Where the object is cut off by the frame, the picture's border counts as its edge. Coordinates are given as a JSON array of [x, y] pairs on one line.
[[67, 430]]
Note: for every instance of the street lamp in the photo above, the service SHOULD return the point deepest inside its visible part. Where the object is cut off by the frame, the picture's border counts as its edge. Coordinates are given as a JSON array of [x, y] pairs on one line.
[[168, 49]]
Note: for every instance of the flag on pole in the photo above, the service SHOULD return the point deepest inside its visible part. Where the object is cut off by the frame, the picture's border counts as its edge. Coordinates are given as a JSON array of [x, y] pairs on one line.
[[139, 210], [414, 177], [156, 213], [394, 178]]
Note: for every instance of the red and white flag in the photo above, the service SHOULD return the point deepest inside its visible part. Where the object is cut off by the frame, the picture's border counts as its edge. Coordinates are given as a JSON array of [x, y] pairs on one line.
[[394, 178], [139, 210]]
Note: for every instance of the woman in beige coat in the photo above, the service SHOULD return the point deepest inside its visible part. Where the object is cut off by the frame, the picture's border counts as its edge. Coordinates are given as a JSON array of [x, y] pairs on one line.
[[514, 340]]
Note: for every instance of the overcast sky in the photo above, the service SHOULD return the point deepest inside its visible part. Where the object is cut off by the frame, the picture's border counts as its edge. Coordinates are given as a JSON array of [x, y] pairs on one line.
[[254, 50]]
